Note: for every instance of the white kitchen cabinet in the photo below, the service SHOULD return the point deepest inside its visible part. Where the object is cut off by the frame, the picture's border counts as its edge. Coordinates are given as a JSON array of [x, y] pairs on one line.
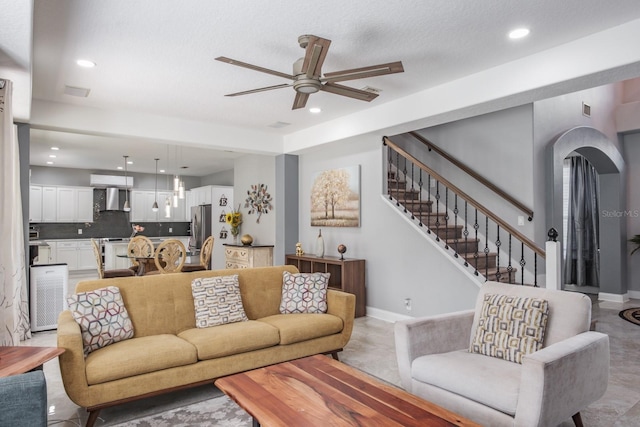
[[77, 254], [49, 204], [74, 204], [141, 203], [35, 203]]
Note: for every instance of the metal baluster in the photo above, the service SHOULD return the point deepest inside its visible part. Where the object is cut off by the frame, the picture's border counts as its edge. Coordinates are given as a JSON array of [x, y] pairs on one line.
[[465, 233], [486, 247], [437, 211], [446, 218], [404, 198], [397, 175], [389, 167], [498, 243], [476, 255], [535, 270], [412, 191], [420, 199], [522, 264], [510, 267], [455, 225], [429, 207]]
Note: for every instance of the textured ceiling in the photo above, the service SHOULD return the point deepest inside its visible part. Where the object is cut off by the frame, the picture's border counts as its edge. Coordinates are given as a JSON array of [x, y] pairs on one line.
[[156, 57]]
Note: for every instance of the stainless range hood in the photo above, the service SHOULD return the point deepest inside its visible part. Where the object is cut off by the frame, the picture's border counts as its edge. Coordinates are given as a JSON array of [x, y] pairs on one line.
[[112, 199]]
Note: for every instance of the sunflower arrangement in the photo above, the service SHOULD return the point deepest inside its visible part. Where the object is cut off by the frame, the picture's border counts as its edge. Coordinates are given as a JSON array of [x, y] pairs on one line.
[[234, 219]]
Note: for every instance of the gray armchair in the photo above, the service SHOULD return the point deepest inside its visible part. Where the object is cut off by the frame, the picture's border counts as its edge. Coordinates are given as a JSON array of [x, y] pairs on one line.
[[551, 385], [24, 400]]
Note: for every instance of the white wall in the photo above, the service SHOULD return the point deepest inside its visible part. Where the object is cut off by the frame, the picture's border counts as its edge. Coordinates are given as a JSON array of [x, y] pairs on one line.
[[399, 262], [252, 170]]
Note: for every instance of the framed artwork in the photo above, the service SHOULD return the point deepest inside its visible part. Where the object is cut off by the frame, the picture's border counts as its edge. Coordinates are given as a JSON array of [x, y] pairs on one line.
[[335, 198]]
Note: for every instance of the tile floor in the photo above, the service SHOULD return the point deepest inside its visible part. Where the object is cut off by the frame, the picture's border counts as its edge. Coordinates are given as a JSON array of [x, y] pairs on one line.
[[372, 349]]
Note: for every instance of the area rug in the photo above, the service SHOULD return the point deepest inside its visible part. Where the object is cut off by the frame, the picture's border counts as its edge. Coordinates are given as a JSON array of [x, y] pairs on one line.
[[220, 412], [631, 314]]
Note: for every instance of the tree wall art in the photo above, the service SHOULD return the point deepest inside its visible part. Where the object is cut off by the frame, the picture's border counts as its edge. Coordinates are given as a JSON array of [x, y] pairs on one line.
[[335, 198]]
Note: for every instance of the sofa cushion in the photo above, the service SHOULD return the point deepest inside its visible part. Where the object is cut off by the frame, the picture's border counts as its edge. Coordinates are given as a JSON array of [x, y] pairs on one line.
[[487, 380], [138, 356], [510, 327], [304, 292], [232, 338], [102, 317], [304, 326], [217, 301]]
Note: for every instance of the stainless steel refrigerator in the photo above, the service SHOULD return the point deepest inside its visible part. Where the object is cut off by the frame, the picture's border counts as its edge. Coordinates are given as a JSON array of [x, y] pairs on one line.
[[200, 225]]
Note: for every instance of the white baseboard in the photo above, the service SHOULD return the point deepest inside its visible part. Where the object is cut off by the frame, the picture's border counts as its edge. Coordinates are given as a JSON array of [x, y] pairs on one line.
[[385, 315], [603, 296], [634, 294]]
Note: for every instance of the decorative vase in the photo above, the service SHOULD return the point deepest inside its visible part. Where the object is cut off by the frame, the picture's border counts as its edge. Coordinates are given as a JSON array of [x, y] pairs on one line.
[[246, 239], [320, 245]]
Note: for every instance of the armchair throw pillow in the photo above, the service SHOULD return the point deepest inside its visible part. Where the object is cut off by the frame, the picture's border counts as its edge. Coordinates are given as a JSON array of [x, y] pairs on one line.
[[304, 292], [217, 301], [510, 327], [102, 317]]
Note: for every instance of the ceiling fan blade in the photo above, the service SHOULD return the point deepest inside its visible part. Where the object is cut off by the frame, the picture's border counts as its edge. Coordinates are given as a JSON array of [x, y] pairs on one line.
[[362, 95], [300, 101], [262, 89], [314, 56], [254, 67], [361, 73]]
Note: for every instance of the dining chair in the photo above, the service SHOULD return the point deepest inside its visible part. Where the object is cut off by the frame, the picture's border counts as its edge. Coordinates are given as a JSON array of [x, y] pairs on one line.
[[170, 256], [139, 246], [108, 274], [205, 257]]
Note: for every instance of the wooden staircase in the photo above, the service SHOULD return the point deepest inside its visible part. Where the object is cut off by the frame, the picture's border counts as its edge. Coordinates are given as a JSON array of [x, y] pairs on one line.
[[448, 230]]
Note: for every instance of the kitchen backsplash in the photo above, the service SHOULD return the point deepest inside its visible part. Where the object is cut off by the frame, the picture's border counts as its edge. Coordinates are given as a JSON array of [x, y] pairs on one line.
[[108, 224]]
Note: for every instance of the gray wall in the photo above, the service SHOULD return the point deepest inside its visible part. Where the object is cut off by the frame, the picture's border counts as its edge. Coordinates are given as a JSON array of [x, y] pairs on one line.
[[219, 178], [632, 212]]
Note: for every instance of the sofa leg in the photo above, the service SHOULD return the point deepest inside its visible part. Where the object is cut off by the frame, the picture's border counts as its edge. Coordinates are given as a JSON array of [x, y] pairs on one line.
[[577, 419], [93, 416], [335, 356]]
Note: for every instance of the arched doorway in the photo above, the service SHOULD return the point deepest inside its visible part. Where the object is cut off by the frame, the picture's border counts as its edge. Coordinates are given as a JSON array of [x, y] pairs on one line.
[[609, 164]]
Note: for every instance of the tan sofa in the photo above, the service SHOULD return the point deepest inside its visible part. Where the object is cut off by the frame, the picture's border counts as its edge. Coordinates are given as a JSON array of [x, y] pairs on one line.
[[168, 352]]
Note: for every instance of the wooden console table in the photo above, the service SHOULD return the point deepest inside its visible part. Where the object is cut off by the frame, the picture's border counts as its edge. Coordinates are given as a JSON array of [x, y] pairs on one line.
[[240, 256], [347, 274], [21, 359]]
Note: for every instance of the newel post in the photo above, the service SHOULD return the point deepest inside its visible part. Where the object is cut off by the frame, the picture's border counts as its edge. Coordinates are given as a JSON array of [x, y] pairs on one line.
[[553, 260]]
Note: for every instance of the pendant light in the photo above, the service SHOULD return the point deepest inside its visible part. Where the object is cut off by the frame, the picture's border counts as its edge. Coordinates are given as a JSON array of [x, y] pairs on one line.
[[167, 202], [126, 207], [181, 186], [155, 202]]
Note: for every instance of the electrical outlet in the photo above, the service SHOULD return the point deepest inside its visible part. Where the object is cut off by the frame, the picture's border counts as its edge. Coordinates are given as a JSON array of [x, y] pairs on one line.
[[79, 230], [170, 230], [520, 220], [407, 304]]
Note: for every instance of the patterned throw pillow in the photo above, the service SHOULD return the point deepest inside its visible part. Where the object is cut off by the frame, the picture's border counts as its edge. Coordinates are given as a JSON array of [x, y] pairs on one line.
[[304, 293], [510, 327], [102, 317], [217, 301]]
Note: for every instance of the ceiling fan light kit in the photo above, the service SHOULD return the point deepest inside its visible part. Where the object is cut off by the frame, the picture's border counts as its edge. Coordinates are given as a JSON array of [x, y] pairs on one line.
[[307, 74]]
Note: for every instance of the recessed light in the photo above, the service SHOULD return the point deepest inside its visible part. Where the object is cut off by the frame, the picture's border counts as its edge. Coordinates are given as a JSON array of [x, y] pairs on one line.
[[119, 168], [52, 156], [315, 110], [161, 170], [519, 33], [129, 162], [85, 63], [49, 163], [55, 148]]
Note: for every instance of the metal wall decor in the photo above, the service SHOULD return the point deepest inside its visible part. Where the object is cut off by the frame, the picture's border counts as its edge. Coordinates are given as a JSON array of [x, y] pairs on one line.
[[223, 215], [223, 233], [258, 201], [223, 200]]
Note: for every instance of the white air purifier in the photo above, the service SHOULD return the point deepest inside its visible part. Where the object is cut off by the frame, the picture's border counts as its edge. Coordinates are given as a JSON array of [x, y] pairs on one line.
[[48, 295]]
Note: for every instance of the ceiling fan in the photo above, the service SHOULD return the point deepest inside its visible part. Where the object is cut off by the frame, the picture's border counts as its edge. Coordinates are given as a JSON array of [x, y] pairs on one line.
[[307, 74]]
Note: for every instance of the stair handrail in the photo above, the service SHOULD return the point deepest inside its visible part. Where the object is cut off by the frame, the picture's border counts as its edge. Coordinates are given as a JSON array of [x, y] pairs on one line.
[[524, 239], [474, 174]]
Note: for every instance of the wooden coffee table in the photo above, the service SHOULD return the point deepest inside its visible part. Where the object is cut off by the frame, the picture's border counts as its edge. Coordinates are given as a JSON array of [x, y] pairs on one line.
[[319, 391], [18, 360]]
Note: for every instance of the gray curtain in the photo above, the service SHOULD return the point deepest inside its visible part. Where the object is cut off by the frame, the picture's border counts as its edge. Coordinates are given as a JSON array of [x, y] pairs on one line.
[[582, 261]]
